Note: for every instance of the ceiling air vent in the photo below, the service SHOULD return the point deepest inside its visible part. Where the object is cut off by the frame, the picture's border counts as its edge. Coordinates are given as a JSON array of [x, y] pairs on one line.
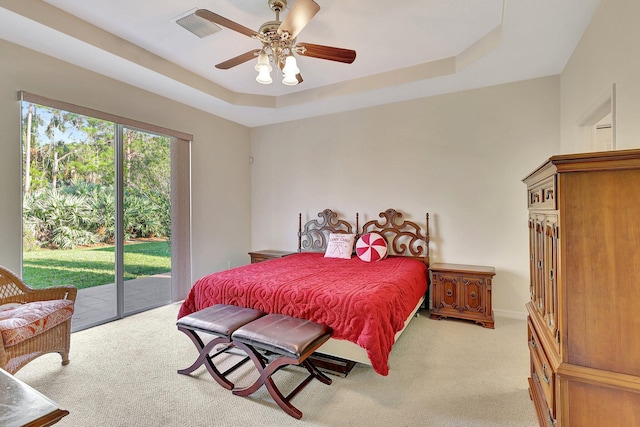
[[196, 25]]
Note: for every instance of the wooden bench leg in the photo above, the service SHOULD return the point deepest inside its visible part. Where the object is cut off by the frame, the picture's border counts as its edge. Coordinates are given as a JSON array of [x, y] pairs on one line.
[[267, 370], [206, 358], [317, 374]]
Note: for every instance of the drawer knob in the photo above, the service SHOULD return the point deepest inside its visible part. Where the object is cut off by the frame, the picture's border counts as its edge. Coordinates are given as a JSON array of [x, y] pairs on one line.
[[449, 292]]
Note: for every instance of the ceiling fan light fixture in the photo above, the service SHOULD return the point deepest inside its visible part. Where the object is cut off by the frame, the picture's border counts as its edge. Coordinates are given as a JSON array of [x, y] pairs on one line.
[[290, 70], [290, 65], [263, 67], [264, 76], [279, 42], [290, 80], [263, 62]]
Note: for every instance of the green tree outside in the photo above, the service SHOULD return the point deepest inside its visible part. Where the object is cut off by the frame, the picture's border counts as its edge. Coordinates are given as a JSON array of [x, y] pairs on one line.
[[69, 178]]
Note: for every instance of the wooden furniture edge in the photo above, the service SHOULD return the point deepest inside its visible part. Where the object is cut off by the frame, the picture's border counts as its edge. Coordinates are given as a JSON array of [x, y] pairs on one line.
[[599, 377], [554, 358], [468, 268], [599, 160]]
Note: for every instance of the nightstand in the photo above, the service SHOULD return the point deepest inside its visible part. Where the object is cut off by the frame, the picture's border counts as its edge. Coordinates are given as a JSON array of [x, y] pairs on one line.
[[267, 254], [462, 291]]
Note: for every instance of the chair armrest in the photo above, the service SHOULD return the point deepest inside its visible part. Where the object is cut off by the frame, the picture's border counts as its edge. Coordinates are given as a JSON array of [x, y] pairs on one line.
[[55, 292], [13, 289]]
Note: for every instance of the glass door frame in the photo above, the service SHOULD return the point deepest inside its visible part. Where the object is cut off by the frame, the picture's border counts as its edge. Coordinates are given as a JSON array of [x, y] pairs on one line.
[[180, 195], [119, 220]]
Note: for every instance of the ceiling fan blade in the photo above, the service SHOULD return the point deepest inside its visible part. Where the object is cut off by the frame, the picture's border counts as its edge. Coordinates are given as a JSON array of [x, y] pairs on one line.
[[220, 20], [327, 52], [240, 59], [298, 17]]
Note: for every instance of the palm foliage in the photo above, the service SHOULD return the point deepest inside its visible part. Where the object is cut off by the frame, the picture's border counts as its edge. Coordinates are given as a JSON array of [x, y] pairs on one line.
[[58, 219], [84, 215], [69, 177]]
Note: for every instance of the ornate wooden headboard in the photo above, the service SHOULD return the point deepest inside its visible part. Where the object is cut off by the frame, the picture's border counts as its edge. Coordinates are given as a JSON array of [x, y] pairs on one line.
[[404, 238], [315, 235]]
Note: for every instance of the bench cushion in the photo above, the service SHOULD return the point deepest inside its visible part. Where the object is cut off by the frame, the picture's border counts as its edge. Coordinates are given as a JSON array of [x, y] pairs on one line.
[[285, 335], [30, 319], [219, 319]]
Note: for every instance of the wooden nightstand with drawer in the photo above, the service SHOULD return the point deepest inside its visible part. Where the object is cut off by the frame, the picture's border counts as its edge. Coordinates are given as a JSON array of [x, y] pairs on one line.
[[267, 254]]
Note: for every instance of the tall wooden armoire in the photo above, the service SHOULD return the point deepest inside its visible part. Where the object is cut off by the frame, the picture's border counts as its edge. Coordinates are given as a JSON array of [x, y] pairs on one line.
[[584, 312]]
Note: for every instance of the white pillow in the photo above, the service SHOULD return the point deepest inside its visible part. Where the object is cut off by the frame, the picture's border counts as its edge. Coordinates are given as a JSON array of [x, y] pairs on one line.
[[340, 245]]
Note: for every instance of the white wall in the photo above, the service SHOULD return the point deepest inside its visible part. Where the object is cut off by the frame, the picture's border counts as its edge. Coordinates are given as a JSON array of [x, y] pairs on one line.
[[220, 151], [607, 54], [460, 157]]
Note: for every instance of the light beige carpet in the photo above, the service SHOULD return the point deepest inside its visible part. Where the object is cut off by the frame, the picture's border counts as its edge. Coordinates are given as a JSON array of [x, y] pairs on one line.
[[443, 373]]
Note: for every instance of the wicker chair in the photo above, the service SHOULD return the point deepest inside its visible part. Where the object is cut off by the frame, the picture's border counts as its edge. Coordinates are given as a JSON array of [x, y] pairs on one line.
[[50, 334]]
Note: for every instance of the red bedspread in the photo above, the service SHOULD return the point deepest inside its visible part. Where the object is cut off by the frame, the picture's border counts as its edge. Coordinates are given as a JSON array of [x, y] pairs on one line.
[[366, 303]]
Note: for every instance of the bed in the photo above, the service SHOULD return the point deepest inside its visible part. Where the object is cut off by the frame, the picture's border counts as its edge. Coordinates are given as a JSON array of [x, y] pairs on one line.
[[367, 304]]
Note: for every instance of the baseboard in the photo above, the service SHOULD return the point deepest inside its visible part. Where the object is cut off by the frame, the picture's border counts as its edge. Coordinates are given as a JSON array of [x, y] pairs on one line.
[[519, 315]]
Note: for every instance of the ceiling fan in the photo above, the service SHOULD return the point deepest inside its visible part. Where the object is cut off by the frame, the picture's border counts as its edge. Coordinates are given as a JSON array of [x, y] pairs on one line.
[[279, 42]]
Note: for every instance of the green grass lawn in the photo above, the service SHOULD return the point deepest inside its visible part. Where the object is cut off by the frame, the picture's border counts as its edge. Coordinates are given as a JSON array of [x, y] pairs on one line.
[[88, 267]]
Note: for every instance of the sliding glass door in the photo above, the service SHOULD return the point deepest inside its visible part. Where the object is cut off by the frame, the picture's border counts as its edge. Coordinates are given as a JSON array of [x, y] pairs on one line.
[[146, 214], [96, 212]]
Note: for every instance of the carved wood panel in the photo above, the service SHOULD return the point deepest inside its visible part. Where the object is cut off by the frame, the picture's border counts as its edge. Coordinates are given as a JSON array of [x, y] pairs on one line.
[[472, 295], [550, 279], [448, 289]]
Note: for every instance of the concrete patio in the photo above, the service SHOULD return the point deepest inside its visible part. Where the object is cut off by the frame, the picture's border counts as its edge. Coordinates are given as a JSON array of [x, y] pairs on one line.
[[98, 304]]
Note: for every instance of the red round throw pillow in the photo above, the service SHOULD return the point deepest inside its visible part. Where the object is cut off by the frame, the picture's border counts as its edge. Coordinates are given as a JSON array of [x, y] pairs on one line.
[[371, 247]]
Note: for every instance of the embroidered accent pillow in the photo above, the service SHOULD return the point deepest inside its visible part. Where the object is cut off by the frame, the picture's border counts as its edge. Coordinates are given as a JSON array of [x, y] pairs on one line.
[[340, 245]]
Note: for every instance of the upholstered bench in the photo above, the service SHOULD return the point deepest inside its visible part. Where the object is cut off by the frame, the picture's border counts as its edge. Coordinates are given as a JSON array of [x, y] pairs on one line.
[[292, 340], [220, 320]]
